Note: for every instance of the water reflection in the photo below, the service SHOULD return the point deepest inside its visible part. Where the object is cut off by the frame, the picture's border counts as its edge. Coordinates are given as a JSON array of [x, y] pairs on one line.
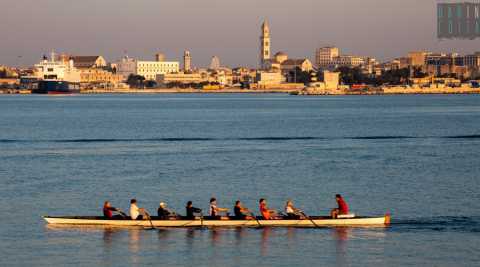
[[240, 233], [341, 236], [266, 232], [134, 245], [110, 237]]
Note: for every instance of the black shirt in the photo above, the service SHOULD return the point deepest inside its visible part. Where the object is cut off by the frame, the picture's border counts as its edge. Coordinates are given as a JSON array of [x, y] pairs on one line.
[[238, 211], [163, 213], [191, 212]]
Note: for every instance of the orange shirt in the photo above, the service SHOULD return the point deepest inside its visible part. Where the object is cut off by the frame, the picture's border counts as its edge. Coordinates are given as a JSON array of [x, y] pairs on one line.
[[264, 211]]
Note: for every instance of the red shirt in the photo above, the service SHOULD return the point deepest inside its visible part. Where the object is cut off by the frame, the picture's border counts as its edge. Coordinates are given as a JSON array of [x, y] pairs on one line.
[[342, 206], [107, 212], [264, 211]]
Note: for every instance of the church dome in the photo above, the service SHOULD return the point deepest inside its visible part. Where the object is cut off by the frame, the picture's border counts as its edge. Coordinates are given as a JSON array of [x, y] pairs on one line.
[[280, 57]]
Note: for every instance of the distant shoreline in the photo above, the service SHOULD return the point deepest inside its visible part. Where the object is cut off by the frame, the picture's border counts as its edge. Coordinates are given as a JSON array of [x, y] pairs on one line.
[[391, 91]]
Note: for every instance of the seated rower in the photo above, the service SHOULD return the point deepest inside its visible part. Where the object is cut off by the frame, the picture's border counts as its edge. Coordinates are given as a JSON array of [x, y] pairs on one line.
[[292, 212], [191, 211], [137, 213], [342, 207], [163, 212], [266, 213], [214, 211], [241, 213], [108, 211]]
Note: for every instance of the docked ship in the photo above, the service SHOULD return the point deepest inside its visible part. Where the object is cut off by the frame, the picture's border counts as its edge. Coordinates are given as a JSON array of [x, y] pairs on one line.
[[56, 76]]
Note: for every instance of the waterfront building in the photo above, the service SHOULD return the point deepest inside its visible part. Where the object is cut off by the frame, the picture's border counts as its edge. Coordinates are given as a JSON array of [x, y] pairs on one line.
[[187, 61], [181, 77], [417, 58], [88, 61], [97, 77], [324, 56], [215, 63], [269, 78], [348, 61], [243, 75], [291, 64], [331, 79], [472, 61], [147, 69], [330, 57], [264, 45], [7, 72]]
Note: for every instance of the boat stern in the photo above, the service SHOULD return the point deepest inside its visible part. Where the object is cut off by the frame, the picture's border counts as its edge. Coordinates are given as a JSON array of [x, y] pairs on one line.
[[388, 218]]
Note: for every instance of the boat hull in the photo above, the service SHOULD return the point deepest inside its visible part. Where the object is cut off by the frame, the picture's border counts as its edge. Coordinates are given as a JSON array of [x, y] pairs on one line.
[[56, 88], [382, 221]]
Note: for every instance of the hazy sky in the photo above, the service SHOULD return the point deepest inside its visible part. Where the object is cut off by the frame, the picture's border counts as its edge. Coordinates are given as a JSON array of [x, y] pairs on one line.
[[228, 28]]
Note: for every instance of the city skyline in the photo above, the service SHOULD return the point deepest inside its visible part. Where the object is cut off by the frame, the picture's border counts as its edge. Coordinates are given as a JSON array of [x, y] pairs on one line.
[[225, 29]]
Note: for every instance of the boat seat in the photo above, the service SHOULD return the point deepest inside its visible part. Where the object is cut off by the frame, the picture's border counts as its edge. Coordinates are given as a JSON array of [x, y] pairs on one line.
[[346, 216]]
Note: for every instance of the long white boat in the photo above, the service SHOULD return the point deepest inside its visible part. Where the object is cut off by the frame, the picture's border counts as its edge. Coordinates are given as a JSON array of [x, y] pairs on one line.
[[314, 221]]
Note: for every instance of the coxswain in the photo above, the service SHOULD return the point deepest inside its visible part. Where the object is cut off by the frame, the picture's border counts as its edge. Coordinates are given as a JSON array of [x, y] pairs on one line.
[[342, 207]]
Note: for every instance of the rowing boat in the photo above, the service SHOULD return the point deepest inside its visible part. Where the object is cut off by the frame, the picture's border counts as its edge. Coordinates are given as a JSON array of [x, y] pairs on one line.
[[313, 221]]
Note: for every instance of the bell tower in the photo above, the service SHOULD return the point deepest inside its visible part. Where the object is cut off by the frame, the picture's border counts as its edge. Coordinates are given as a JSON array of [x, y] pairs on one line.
[[264, 45]]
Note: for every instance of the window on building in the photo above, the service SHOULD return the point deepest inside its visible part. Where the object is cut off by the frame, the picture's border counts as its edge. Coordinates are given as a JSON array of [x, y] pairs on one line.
[[450, 27], [449, 10], [440, 12]]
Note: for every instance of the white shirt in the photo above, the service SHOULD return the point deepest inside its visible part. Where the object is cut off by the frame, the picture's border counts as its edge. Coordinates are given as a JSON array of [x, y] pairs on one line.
[[289, 209], [134, 211]]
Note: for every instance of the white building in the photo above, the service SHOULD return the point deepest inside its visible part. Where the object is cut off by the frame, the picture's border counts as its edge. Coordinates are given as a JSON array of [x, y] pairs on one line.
[[215, 63], [147, 69], [324, 56], [349, 61], [329, 56], [269, 78]]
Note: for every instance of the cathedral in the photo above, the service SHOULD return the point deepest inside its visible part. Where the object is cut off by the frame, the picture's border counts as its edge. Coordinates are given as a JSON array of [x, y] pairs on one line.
[[280, 61]]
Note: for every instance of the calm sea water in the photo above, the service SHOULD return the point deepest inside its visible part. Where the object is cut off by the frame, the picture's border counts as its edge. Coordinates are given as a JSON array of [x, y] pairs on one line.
[[417, 157]]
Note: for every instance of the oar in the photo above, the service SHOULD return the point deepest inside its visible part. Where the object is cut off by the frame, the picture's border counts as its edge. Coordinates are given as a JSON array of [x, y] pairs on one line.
[[122, 213], [201, 221], [308, 217], [150, 220], [256, 219]]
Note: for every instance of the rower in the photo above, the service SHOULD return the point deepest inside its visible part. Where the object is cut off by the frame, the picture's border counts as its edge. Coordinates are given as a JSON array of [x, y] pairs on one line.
[[292, 212], [163, 212], [191, 211], [342, 207], [137, 213], [266, 213], [108, 211], [214, 210], [241, 213]]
